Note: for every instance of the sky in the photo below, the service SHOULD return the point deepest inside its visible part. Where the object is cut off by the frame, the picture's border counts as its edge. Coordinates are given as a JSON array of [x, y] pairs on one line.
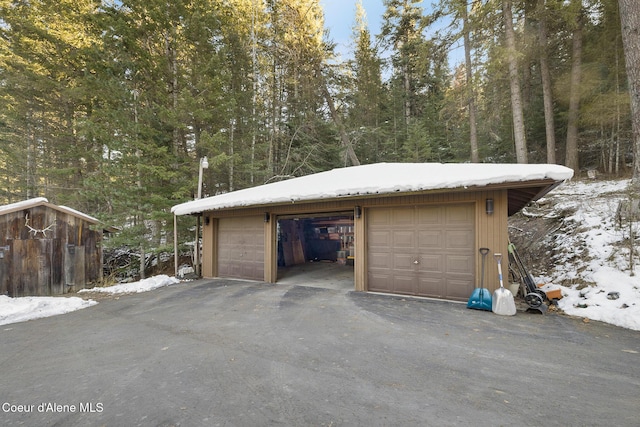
[[605, 265], [339, 16]]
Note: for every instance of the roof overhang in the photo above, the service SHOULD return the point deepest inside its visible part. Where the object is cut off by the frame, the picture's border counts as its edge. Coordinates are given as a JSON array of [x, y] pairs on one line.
[[519, 197], [524, 183]]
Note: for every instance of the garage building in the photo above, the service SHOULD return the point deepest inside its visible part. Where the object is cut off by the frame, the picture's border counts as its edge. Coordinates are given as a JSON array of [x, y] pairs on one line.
[[404, 228]]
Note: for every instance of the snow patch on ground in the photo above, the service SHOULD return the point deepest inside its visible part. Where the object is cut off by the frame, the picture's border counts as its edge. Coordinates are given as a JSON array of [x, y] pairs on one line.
[[14, 310], [143, 285]]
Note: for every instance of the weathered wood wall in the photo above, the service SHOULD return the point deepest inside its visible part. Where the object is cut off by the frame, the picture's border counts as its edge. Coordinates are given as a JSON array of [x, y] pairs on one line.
[[54, 253]]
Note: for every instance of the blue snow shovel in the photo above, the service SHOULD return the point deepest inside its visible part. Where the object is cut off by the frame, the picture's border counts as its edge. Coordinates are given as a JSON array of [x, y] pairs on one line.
[[481, 297]]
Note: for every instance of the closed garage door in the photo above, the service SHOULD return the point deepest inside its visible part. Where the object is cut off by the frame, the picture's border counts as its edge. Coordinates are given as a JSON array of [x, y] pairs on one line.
[[241, 247], [422, 250]]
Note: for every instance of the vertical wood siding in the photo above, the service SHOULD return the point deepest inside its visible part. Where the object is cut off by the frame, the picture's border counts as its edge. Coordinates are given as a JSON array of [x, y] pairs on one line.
[[65, 258]]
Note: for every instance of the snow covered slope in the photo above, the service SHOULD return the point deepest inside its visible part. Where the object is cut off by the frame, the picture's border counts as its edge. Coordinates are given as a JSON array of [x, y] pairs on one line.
[[586, 250]]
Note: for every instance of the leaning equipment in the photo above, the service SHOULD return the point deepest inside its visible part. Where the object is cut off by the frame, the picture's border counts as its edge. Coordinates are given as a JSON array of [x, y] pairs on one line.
[[533, 296]]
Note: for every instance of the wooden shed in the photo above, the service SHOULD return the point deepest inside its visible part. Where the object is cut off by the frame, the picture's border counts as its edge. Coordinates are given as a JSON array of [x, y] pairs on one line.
[[47, 249], [408, 228]]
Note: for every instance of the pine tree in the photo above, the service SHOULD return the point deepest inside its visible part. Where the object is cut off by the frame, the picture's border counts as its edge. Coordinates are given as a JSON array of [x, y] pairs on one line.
[[366, 107], [46, 54]]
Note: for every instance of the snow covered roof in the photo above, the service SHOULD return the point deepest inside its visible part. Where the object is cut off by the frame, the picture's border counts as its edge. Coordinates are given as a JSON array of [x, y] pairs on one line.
[[25, 204], [38, 201], [378, 178]]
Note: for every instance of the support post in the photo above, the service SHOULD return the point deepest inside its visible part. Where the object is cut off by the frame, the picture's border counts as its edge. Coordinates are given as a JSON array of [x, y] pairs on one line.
[[197, 260], [175, 244]]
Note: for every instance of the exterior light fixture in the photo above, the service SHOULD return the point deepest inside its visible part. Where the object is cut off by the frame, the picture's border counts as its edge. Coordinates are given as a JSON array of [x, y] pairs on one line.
[[267, 217], [358, 212], [489, 206]]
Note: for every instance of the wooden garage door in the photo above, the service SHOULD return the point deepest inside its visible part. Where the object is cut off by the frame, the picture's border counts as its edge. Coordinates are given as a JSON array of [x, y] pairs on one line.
[[422, 250], [241, 248]]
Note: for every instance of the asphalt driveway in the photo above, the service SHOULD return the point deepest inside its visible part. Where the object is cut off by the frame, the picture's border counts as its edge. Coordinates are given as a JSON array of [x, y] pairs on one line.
[[234, 353]]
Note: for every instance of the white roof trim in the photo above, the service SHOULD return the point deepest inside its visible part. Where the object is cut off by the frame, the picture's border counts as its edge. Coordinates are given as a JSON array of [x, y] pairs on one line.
[[378, 178]]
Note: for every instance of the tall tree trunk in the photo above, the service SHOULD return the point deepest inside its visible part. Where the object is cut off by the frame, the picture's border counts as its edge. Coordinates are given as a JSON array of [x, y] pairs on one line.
[[173, 86], [514, 83], [545, 76], [630, 20], [232, 153], [31, 157], [473, 128], [572, 154], [254, 89], [407, 93], [349, 153]]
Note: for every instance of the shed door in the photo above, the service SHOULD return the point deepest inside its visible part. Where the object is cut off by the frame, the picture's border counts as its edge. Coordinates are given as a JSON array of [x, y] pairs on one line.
[[74, 268], [422, 250], [241, 247], [32, 267]]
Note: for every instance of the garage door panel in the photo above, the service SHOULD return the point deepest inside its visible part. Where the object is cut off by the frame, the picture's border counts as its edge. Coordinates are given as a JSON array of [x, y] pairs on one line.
[[458, 239], [441, 238], [430, 215], [458, 289], [379, 217], [403, 261], [380, 282], [430, 239], [381, 261], [430, 286], [241, 247], [432, 264], [403, 240], [404, 285], [403, 216], [380, 239], [459, 214], [459, 264]]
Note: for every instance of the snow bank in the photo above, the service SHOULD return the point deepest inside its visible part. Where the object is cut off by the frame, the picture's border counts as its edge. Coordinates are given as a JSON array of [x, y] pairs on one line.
[[136, 287], [13, 310]]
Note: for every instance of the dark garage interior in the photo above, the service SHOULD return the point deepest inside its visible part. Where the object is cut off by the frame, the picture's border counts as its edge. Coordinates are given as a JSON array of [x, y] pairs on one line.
[[319, 247]]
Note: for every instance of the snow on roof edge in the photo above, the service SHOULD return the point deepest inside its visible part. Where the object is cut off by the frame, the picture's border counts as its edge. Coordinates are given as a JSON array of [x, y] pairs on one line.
[[11, 207], [78, 213], [37, 201], [377, 178]]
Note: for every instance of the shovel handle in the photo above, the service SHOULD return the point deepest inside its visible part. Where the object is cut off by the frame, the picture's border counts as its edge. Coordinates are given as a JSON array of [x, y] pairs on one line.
[[484, 251], [498, 258]]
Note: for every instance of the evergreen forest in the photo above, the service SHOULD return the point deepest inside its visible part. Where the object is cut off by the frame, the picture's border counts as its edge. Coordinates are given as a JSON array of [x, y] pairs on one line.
[[108, 106]]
